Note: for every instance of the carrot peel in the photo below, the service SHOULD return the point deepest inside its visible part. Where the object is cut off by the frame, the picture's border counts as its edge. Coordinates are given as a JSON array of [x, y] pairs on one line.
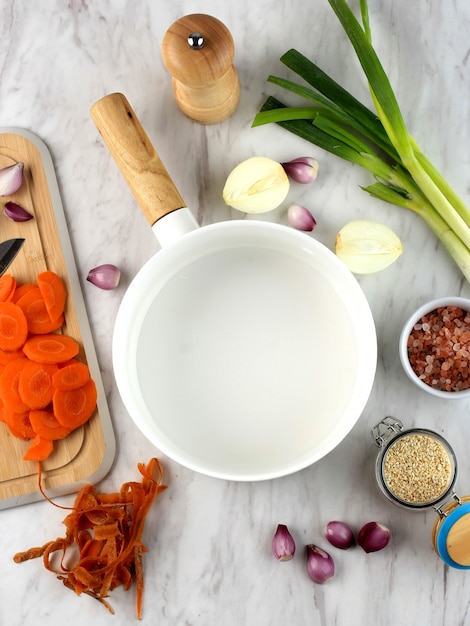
[[110, 550]]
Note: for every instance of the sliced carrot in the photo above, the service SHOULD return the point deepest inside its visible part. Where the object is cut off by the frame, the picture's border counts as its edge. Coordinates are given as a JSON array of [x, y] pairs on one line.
[[54, 293], [9, 380], [72, 376], [45, 425], [6, 357], [19, 424], [33, 306], [39, 449], [74, 407], [35, 384], [7, 287], [21, 290], [66, 363], [13, 327], [50, 348]]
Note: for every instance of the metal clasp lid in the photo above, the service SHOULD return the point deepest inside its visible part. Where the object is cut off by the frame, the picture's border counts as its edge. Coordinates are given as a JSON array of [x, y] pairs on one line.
[[439, 508], [385, 429]]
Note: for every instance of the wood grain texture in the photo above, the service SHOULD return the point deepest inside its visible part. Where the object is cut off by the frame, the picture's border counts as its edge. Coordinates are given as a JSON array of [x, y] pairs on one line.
[[458, 545], [136, 157], [78, 456], [205, 82]]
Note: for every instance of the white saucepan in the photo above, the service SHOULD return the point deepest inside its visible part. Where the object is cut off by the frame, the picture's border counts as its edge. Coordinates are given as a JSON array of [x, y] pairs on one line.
[[244, 350]]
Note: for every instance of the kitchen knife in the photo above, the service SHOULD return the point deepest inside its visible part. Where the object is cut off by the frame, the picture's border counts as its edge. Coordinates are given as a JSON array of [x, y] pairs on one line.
[[8, 250]]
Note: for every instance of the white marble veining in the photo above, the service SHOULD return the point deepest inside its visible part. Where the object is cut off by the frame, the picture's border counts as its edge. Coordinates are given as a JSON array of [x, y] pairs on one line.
[[209, 560]]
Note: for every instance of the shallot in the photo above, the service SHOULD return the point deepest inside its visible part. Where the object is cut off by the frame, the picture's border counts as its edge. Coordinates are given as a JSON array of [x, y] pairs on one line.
[[339, 535], [320, 565], [105, 276], [303, 169], [283, 544], [300, 217], [373, 536], [16, 213]]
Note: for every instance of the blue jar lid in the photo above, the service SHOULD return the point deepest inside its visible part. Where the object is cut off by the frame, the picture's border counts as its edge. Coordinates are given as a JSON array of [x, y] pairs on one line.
[[452, 541]]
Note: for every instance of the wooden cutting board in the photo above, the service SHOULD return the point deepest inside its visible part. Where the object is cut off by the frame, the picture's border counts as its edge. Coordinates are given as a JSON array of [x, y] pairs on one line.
[[87, 454]]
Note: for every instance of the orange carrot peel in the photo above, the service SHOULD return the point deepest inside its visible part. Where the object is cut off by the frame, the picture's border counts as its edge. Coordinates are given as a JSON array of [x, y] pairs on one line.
[[107, 530]]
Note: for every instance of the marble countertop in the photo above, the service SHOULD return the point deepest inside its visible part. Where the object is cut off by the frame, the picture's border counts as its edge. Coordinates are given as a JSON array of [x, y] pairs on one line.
[[209, 540]]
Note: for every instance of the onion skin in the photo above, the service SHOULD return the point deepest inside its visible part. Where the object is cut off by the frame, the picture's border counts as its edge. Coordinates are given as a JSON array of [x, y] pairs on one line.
[[320, 565], [283, 544], [373, 537], [339, 535]]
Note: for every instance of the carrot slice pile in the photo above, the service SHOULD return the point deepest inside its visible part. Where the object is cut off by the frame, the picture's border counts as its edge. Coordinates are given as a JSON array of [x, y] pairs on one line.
[[45, 391], [106, 532]]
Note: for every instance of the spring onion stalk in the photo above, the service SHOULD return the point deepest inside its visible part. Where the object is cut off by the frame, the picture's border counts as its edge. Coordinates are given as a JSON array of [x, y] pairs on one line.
[[377, 141]]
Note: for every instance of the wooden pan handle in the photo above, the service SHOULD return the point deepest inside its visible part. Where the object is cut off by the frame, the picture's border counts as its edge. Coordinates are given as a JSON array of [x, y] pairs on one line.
[[136, 157]]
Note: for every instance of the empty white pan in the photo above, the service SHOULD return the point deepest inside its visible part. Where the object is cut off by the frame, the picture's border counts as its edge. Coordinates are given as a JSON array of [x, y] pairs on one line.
[[244, 350]]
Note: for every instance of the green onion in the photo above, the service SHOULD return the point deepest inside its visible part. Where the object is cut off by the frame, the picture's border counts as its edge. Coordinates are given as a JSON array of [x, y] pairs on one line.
[[377, 141]]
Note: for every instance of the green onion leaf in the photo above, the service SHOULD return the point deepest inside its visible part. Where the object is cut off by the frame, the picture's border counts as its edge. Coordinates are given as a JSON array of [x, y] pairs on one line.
[[379, 142]]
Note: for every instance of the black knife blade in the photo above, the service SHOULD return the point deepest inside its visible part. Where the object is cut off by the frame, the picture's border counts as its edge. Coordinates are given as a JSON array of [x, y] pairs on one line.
[[8, 251]]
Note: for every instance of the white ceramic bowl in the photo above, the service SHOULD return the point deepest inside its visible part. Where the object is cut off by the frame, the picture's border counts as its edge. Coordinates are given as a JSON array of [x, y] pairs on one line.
[[464, 304]]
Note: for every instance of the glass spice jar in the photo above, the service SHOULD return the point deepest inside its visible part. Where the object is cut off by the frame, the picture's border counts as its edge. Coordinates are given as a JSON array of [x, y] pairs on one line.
[[416, 469]]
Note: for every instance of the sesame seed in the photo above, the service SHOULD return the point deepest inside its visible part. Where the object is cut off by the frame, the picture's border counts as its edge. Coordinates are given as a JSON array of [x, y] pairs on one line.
[[417, 469]]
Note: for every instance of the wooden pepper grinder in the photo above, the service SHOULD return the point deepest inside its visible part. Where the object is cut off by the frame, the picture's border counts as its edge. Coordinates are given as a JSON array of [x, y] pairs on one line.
[[198, 52]]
